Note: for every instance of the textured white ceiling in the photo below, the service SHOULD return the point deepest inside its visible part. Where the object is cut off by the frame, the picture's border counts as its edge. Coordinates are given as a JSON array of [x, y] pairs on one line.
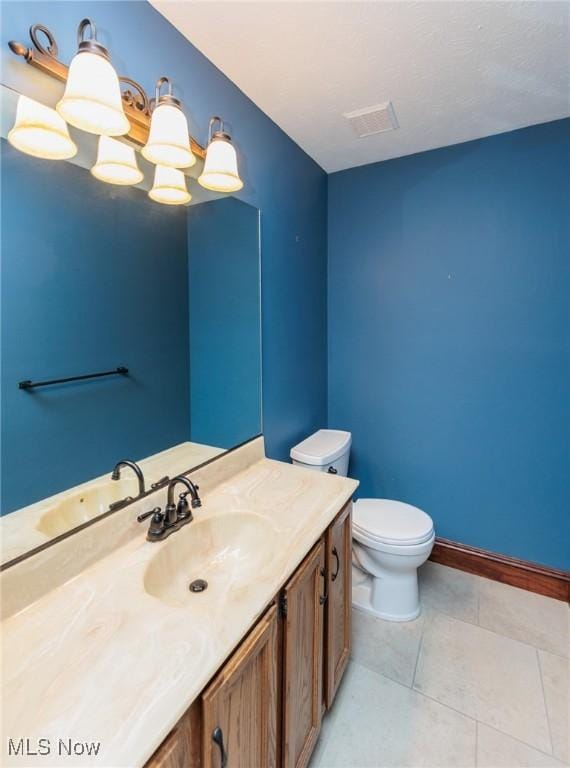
[[454, 71]]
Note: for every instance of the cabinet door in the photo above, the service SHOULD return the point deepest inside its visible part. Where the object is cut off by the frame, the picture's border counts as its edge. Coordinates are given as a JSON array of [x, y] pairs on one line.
[[303, 659], [240, 706], [339, 604], [181, 748]]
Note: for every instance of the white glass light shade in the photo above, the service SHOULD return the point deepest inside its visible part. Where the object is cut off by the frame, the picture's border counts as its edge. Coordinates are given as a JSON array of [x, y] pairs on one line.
[[220, 172], [168, 142], [116, 163], [39, 131], [92, 98], [169, 186]]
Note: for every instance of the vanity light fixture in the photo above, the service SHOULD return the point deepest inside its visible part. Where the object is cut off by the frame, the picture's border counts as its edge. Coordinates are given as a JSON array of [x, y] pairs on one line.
[[116, 163], [168, 142], [92, 98], [169, 186], [220, 172], [99, 101], [39, 131]]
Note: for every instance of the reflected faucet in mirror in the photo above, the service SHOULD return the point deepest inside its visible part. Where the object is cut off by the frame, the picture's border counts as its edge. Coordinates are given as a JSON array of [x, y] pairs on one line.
[[116, 475], [175, 515]]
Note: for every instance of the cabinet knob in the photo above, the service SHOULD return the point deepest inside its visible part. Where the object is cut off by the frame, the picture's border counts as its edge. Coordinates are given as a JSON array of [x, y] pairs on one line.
[[218, 738]]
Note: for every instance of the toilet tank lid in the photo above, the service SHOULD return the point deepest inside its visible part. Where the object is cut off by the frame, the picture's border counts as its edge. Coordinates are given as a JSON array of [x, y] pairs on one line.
[[322, 447]]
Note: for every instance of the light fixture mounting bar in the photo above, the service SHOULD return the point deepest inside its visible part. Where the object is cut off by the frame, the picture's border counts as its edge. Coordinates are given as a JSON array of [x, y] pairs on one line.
[[136, 103]]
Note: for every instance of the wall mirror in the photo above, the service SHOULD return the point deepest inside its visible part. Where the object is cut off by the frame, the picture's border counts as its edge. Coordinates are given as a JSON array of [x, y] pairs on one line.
[[163, 300]]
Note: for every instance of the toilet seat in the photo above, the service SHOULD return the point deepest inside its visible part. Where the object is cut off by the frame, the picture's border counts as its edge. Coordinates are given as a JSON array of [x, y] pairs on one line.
[[380, 523]]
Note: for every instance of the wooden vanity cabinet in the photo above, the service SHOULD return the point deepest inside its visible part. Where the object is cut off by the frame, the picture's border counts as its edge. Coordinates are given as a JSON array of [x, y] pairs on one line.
[[339, 605], [303, 603], [264, 707]]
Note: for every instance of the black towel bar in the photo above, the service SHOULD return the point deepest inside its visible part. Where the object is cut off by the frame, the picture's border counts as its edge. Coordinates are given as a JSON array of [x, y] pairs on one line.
[[29, 384]]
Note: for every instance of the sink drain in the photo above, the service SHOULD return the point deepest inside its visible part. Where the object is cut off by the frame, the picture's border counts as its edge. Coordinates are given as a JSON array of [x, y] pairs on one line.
[[198, 585]]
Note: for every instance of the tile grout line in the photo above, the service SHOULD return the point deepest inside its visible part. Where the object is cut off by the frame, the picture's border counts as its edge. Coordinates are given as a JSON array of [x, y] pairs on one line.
[[481, 722], [522, 743], [424, 695], [544, 702], [382, 674], [446, 706], [418, 653]]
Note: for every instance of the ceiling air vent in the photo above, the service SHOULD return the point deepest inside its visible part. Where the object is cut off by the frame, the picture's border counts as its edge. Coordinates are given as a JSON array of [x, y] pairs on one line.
[[371, 120]]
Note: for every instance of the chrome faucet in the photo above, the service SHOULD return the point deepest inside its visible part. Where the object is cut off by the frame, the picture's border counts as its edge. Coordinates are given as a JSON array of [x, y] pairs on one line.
[[116, 474], [175, 515]]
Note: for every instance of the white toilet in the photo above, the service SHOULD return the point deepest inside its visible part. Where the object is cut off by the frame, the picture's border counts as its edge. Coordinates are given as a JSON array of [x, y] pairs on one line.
[[390, 539]]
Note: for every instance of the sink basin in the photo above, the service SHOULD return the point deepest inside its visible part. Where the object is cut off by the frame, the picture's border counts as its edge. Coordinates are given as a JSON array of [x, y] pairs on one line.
[[79, 507], [231, 548]]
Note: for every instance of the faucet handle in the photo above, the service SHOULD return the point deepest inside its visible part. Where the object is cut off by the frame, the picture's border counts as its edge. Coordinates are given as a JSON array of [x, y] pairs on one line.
[[183, 511], [159, 483], [120, 503], [145, 515], [157, 525]]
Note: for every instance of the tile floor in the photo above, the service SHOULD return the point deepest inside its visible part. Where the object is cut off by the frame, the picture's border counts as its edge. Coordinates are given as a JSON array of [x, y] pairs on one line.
[[480, 679]]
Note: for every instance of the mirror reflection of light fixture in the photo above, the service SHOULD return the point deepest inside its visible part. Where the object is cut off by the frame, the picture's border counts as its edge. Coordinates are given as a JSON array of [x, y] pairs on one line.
[[220, 172], [169, 186], [116, 163], [39, 131], [168, 142], [92, 98]]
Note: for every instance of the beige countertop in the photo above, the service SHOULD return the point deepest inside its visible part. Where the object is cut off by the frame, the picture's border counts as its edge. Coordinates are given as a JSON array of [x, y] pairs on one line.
[[99, 659]]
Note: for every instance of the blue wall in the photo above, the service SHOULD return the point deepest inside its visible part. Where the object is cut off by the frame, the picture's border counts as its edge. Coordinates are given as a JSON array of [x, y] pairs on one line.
[[280, 179], [86, 288], [223, 274], [449, 286]]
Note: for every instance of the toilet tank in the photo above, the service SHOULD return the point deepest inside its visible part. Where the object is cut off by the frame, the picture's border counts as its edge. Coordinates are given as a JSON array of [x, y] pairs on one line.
[[327, 450]]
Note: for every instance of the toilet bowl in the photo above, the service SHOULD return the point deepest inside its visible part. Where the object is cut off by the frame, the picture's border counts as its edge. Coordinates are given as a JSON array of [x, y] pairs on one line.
[[390, 542], [391, 539]]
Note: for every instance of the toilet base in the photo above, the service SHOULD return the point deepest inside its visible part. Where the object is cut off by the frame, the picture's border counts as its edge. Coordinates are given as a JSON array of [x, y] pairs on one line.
[[366, 596]]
